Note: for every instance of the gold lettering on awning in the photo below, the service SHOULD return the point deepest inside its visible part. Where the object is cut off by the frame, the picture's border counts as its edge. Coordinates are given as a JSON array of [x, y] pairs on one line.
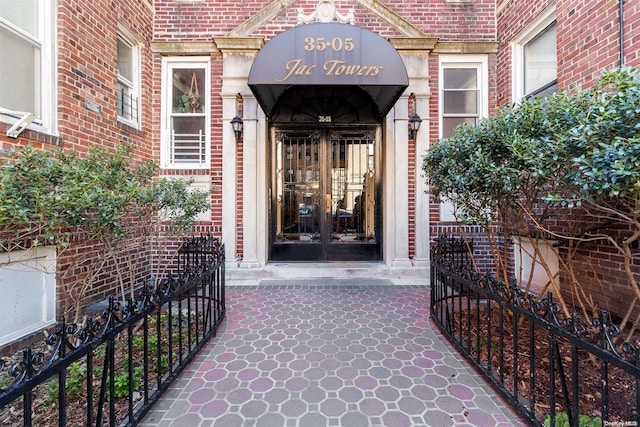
[[331, 67]]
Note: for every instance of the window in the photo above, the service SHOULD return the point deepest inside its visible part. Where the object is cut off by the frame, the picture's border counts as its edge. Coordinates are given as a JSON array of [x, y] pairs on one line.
[[185, 113], [535, 58], [27, 83], [464, 99], [28, 287], [128, 79], [463, 95], [541, 64]]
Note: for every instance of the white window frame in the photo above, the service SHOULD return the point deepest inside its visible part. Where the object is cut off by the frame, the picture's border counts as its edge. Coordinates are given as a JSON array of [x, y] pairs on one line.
[[28, 287], [168, 64], [537, 26], [46, 121], [133, 85], [478, 62], [481, 64]]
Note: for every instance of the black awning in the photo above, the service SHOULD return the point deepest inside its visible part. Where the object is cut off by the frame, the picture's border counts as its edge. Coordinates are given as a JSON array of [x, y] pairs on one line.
[[328, 54]]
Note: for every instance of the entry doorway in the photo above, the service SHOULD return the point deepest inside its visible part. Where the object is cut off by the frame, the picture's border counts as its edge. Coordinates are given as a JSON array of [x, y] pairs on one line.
[[325, 194]]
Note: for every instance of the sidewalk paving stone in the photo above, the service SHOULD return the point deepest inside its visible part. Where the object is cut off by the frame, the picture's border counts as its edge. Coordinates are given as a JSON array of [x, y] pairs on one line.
[[329, 353]]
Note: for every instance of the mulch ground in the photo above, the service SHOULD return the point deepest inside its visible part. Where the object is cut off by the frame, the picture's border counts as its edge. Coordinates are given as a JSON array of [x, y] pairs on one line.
[[527, 374]]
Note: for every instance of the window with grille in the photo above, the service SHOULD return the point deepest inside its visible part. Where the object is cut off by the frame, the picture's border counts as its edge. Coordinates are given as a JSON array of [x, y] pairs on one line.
[[128, 80], [185, 105]]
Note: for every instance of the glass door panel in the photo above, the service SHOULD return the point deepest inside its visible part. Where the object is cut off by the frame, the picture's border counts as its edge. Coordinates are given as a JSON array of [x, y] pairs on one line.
[[298, 196], [325, 196], [353, 200]]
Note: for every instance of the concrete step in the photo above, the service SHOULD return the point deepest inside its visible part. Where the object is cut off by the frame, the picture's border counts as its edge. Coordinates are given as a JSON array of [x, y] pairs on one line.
[[312, 270]]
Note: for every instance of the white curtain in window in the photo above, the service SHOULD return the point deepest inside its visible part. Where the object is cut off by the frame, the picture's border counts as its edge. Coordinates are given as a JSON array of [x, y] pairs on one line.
[[19, 72], [21, 13]]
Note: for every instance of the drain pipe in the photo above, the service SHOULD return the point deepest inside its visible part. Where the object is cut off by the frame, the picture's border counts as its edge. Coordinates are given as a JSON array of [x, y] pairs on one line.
[[621, 30]]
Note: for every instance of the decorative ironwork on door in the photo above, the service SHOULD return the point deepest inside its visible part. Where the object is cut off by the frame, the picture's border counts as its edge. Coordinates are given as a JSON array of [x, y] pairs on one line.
[[325, 196], [298, 187], [353, 200]]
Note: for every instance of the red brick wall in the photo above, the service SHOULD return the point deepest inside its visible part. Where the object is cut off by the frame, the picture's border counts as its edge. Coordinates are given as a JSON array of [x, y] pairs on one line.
[[588, 38], [632, 33], [87, 70], [203, 20], [588, 42], [208, 19], [434, 126], [240, 205], [411, 167]]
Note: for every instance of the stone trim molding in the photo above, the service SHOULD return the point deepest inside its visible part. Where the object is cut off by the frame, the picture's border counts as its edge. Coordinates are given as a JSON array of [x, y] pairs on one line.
[[326, 12], [408, 44], [376, 7], [260, 18], [466, 47], [183, 48], [238, 44]]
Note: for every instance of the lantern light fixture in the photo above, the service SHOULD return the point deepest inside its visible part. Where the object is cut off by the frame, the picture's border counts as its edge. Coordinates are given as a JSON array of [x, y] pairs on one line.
[[237, 125], [414, 125]]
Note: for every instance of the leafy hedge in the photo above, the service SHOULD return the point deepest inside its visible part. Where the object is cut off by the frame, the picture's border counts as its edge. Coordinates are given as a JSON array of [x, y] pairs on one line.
[[52, 194], [564, 168]]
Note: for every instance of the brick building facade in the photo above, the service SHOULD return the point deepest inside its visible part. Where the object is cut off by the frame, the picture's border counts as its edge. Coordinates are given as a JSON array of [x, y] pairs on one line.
[[323, 170], [590, 36]]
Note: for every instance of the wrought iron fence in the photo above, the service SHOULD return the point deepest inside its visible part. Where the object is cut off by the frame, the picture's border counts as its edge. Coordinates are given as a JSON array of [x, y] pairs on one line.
[[554, 367], [111, 369]]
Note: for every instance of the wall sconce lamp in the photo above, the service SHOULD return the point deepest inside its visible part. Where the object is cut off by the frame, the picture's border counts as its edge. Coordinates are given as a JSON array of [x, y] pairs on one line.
[[414, 125], [237, 125]]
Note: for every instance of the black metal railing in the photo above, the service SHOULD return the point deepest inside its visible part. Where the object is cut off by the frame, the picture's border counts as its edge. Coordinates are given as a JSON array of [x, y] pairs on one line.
[[553, 366], [113, 367]]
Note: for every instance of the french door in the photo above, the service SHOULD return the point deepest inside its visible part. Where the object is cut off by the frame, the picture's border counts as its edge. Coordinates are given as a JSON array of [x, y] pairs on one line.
[[325, 195]]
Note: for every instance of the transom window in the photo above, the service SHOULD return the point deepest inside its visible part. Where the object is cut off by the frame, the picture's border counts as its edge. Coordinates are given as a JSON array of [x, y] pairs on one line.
[[186, 118], [27, 40], [128, 80]]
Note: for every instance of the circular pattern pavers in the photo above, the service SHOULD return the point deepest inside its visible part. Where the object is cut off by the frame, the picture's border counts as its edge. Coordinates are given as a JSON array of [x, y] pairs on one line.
[[304, 356]]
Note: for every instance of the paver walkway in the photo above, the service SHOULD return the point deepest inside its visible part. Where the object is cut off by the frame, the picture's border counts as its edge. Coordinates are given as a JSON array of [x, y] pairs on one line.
[[329, 353]]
